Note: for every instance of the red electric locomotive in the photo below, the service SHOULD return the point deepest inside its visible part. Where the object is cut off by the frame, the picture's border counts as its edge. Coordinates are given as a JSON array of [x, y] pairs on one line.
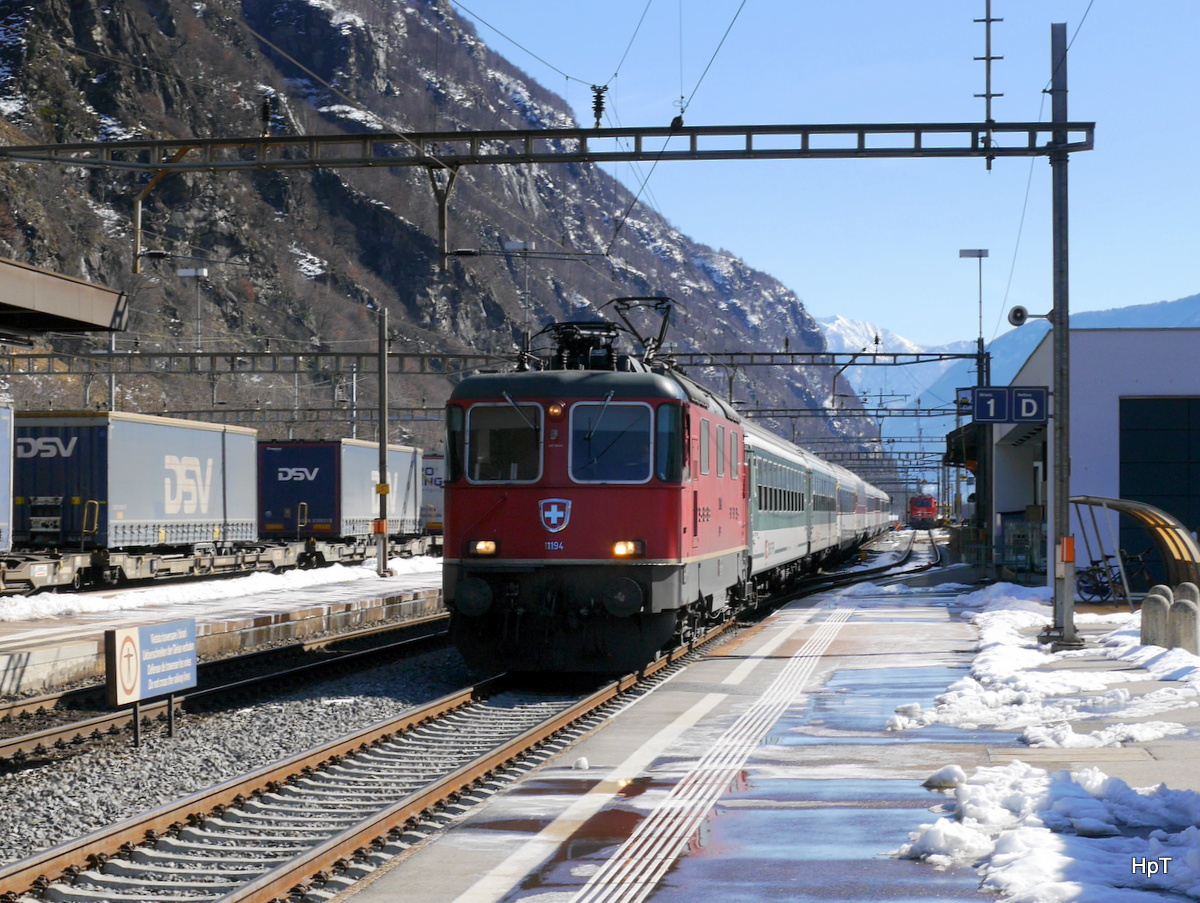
[[593, 509], [922, 512]]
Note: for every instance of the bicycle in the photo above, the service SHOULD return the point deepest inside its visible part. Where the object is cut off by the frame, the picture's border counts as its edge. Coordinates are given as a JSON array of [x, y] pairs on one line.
[[1101, 580]]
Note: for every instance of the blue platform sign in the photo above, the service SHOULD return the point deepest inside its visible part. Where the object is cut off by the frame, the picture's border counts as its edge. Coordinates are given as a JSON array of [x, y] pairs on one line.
[[1010, 404], [990, 405], [1030, 404], [144, 662]]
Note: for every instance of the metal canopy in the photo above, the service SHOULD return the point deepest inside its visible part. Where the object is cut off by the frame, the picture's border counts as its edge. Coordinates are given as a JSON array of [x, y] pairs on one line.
[[1174, 542], [34, 301]]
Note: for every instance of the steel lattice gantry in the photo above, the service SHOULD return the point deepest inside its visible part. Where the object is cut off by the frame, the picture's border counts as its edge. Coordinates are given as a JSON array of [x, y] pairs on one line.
[[444, 153], [241, 362]]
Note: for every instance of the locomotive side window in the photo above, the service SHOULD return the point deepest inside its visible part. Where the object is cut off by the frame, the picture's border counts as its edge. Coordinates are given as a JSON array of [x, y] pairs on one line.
[[720, 451], [610, 442], [455, 439], [733, 455], [705, 451], [504, 443], [669, 444]]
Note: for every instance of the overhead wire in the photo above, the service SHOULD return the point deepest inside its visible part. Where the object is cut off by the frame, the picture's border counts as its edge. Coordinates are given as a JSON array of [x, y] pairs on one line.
[[516, 43], [683, 105]]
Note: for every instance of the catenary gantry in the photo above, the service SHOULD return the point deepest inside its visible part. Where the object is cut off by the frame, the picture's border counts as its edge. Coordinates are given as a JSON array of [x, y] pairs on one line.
[[444, 153]]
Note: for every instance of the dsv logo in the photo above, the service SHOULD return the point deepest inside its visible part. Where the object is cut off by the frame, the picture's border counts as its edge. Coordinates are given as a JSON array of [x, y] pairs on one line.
[[45, 447], [297, 473], [186, 487]]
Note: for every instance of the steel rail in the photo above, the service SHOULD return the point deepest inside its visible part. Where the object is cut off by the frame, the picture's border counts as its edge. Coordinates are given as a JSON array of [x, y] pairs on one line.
[[80, 732], [68, 860], [38, 871]]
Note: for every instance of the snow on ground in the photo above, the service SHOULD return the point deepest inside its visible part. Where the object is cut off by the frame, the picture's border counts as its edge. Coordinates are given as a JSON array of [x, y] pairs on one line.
[[1038, 836], [53, 605]]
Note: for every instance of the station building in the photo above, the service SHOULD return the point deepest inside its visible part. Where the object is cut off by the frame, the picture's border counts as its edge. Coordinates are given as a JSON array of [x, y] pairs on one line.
[[1134, 433]]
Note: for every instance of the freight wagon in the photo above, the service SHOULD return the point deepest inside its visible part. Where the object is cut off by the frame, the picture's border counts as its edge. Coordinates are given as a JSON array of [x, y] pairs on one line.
[[104, 498], [130, 481], [6, 476], [328, 489]]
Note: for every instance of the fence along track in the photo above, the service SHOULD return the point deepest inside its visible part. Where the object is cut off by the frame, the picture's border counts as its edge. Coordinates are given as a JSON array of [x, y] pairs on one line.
[[311, 850]]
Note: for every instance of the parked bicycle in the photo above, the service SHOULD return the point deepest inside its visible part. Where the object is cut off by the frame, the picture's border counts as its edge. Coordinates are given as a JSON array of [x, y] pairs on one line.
[[1101, 580]]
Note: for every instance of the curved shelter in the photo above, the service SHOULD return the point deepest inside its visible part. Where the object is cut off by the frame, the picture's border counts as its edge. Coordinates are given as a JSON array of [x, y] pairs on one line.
[[1176, 546]]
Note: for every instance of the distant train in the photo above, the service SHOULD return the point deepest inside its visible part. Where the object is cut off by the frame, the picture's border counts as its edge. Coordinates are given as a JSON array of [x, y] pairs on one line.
[[922, 512], [95, 499], [599, 507]]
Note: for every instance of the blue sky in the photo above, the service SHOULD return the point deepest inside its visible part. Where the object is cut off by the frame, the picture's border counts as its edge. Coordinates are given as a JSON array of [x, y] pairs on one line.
[[878, 240]]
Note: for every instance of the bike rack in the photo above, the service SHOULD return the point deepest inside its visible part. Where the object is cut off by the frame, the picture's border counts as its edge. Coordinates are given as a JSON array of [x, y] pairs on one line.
[[1102, 563]]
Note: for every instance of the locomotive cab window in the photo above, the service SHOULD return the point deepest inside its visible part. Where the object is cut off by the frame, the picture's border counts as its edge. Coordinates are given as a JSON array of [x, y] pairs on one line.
[[668, 444], [611, 442], [504, 443]]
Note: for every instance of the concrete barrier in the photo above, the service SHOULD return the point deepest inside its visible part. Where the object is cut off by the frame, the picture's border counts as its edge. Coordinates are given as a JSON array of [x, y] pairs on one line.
[[1155, 611], [1187, 591], [1183, 625], [1160, 590]]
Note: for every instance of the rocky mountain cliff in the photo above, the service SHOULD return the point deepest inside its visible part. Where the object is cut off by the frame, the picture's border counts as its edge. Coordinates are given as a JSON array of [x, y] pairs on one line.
[[298, 259]]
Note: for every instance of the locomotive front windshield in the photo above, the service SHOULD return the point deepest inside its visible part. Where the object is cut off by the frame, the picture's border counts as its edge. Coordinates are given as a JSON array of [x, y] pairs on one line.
[[610, 442], [504, 443]]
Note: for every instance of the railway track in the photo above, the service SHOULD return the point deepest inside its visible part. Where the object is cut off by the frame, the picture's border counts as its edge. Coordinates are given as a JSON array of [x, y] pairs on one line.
[[320, 818], [73, 720]]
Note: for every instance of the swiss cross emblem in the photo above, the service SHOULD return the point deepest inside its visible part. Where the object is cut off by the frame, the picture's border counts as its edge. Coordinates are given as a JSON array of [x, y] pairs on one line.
[[556, 513]]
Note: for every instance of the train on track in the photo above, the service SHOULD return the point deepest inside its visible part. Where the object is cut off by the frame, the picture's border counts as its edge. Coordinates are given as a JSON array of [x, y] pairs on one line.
[[93, 499], [922, 512], [599, 505]]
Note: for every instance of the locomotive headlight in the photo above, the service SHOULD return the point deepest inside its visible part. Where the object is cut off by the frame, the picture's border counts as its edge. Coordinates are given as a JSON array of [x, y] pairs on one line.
[[629, 548], [482, 548], [556, 410]]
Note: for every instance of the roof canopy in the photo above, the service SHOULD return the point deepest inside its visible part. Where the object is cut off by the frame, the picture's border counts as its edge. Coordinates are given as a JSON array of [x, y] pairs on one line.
[[1175, 543], [34, 301]]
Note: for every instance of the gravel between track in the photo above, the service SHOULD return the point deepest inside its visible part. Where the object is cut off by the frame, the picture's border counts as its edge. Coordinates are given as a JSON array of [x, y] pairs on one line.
[[48, 806]]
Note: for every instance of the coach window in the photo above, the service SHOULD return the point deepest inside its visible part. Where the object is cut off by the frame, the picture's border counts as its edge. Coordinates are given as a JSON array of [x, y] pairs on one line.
[[504, 443], [668, 444], [610, 442]]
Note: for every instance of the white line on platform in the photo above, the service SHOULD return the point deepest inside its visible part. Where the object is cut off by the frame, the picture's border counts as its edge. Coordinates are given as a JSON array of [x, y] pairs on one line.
[[500, 881], [633, 871]]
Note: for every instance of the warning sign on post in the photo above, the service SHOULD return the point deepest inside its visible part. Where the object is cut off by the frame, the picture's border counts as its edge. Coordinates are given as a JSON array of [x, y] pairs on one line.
[[144, 662]]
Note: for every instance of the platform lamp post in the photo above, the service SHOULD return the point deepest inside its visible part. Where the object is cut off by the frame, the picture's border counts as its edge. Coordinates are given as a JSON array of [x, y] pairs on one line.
[[983, 377]]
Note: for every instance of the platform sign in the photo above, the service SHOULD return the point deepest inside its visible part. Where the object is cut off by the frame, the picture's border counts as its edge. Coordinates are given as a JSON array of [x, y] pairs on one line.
[[1010, 404], [990, 405], [1030, 404], [144, 662]]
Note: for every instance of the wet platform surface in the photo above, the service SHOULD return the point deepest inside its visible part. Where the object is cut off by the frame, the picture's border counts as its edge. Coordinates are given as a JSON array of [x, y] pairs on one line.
[[806, 808]]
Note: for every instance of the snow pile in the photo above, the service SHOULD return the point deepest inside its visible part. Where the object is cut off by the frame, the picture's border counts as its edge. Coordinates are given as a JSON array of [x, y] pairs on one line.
[[1011, 688], [1053, 837], [23, 608]]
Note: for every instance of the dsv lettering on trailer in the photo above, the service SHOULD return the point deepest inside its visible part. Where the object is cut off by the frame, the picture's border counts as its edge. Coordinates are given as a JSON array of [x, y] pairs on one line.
[[284, 474], [186, 487], [45, 447]]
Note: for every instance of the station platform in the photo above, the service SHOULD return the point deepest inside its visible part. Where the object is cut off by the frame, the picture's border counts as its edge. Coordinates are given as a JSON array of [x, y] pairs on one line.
[[791, 763], [55, 640]]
